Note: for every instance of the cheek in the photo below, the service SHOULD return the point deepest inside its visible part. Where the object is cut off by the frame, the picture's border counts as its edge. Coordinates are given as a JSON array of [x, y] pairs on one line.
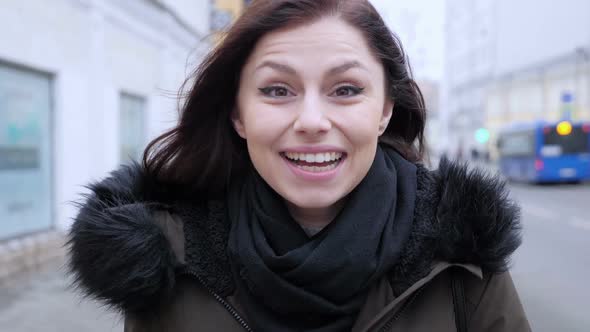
[[265, 127], [361, 126]]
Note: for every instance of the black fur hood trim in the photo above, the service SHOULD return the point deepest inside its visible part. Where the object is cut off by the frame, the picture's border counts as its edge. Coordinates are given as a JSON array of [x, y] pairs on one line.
[[119, 255], [480, 224]]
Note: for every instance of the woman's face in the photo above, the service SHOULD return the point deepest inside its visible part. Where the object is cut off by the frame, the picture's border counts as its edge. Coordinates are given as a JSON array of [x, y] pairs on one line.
[[311, 105]]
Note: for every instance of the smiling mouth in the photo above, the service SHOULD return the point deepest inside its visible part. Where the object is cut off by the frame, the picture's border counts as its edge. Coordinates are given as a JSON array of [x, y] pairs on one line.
[[315, 162]]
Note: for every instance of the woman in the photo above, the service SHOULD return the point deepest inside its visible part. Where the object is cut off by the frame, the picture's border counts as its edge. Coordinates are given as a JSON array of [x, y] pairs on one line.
[[290, 197]]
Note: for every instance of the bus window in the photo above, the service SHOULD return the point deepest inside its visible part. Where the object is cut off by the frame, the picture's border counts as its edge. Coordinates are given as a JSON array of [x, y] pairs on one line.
[[575, 142], [517, 145], [549, 150]]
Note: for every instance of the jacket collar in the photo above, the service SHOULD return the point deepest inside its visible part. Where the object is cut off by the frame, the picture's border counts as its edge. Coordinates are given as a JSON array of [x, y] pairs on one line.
[[122, 251]]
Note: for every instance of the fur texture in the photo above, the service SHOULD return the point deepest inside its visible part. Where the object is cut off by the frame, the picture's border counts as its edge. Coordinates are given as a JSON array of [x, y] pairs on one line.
[[479, 223], [421, 247], [206, 235], [119, 254]]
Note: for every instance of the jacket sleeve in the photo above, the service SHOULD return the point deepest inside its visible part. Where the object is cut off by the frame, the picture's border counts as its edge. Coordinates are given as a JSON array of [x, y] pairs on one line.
[[138, 325], [134, 325], [497, 306]]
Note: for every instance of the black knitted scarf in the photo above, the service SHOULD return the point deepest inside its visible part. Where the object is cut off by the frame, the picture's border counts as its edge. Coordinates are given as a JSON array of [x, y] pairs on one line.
[[287, 281]]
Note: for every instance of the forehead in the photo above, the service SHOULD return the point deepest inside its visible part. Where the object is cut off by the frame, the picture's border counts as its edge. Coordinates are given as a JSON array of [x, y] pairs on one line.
[[330, 36]]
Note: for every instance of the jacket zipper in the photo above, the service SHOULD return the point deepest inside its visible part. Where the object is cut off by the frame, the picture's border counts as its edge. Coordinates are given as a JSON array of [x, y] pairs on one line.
[[245, 326], [223, 302], [400, 312]]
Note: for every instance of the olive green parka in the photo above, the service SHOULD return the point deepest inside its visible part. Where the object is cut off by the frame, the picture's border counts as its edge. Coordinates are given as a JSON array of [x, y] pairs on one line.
[[159, 257]]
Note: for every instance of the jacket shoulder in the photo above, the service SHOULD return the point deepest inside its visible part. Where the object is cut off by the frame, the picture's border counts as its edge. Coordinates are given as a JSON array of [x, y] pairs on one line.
[[494, 304]]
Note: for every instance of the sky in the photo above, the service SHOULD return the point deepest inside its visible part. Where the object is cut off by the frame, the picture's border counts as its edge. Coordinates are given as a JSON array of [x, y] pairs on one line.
[[420, 26]]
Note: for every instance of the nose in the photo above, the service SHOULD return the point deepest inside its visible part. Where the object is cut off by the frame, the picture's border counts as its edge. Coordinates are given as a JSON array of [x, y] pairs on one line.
[[311, 118]]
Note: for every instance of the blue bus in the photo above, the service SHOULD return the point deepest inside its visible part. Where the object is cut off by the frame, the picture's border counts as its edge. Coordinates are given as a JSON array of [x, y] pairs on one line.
[[542, 152]]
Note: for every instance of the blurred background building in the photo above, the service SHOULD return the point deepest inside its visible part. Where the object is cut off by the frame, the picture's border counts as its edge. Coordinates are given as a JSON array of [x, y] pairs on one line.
[[418, 24], [512, 61], [223, 13], [84, 85], [434, 127]]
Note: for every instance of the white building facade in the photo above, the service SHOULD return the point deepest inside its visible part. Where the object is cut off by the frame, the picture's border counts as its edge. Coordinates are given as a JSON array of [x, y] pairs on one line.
[[419, 24], [84, 86], [510, 61], [469, 45]]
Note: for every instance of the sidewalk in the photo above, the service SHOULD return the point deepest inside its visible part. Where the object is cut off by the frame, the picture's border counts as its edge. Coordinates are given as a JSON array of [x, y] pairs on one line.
[[41, 301]]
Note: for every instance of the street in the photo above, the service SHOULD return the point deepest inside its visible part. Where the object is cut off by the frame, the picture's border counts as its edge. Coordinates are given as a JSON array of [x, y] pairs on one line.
[[550, 270], [43, 302]]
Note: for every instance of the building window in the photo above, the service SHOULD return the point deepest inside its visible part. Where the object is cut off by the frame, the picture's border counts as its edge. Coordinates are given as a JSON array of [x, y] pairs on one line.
[[131, 128], [25, 151]]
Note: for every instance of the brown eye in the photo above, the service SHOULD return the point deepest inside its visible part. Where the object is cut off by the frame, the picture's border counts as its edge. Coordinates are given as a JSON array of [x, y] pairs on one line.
[[281, 92], [275, 91], [348, 91]]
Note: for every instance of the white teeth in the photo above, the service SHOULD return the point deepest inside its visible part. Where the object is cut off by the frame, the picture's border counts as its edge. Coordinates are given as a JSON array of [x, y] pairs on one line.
[[314, 157]]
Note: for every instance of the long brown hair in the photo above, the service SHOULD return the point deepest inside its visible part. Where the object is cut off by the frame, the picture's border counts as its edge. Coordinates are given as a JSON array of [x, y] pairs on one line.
[[203, 153]]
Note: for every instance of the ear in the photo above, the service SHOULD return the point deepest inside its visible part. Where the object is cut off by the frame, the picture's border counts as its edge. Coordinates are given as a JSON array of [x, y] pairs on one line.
[[238, 124], [386, 116]]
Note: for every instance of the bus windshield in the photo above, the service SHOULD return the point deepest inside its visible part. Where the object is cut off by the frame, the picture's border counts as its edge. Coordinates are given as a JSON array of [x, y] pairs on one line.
[[575, 142]]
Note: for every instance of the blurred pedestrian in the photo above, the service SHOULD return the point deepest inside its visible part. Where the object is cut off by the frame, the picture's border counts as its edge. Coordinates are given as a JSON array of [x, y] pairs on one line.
[[474, 154], [291, 196]]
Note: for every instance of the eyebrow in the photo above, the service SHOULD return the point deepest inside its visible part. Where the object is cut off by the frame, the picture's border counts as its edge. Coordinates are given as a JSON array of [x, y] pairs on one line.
[[346, 66], [276, 66], [333, 71]]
